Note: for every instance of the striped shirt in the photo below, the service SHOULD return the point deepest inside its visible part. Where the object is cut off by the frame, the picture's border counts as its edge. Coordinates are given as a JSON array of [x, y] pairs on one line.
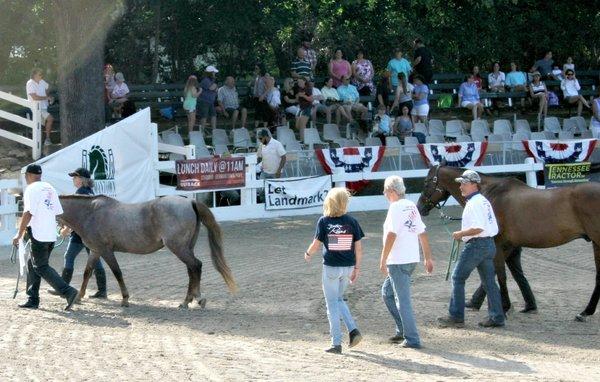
[[302, 68], [228, 97]]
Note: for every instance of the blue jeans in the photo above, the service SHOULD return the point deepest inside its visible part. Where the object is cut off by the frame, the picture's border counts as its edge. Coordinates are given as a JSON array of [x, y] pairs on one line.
[[478, 253], [335, 282], [73, 250], [396, 295]]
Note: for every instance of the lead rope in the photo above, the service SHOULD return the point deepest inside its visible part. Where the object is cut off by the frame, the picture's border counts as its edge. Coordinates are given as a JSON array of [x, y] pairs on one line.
[[13, 260], [453, 256]]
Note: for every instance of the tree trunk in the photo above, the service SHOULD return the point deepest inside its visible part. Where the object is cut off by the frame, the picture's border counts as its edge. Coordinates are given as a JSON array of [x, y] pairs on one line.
[[156, 57]]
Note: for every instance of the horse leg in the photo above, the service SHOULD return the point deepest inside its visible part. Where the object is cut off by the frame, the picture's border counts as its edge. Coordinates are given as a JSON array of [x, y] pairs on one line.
[[89, 268], [591, 307], [477, 298], [112, 263], [514, 265], [194, 267], [501, 275]]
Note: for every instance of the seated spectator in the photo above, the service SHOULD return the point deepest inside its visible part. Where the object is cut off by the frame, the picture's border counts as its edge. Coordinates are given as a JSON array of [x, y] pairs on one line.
[[420, 92], [382, 124], [544, 65], [109, 81], [118, 96], [208, 96], [557, 74], [272, 99], [477, 78], [570, 88], [305, 101], [301, 67], [191, 92], [229, 102], [468, 97], [405, 127], [516, 80], [319, 105], [339, 68], [37, 90], [403, 95], [496, 79], [539, 93], [397, 65], [362, 73], [289, 101], [569, 65], [385, 90], [332, 99], [350, 99]]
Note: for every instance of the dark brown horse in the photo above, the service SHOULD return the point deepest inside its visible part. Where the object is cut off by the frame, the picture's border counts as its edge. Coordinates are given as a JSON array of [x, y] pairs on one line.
[[527, 217], [108, 226]]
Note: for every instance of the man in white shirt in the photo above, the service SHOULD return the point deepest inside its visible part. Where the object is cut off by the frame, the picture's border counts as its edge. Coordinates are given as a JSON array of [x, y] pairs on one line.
[[40, 208], [273, 155], [478, 228], [37, 90], [403, 229]]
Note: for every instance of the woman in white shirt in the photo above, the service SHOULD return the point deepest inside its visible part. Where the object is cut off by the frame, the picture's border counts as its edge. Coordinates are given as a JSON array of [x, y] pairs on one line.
[[570, 88], [332, 99], [118, 96], [538, 92]]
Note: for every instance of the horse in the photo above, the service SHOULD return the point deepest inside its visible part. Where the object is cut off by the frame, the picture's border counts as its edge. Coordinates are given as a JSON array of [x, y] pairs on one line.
[[107, 225], [527, 217]]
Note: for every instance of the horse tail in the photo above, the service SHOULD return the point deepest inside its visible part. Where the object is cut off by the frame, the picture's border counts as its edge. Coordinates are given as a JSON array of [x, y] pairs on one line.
[[215, 240]]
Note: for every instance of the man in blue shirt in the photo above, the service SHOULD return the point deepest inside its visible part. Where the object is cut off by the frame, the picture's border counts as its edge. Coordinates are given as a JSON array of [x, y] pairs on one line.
[[398, 64]]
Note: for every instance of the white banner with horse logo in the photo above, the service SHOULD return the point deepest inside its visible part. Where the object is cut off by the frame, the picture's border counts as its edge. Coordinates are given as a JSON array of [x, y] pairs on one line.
[[463, 154], [568, 151], [118, 157], [296, 193]]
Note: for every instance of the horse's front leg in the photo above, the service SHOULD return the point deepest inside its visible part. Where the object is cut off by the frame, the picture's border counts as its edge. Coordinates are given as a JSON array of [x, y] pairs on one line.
[[111, 261], [514, 265]]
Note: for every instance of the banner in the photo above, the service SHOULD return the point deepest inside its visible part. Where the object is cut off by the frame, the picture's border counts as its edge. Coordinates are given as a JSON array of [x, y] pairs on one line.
[[566, 174], [461, 154], [351, 159], [574, 150], [211, 173], [289, 194], [120, 159]]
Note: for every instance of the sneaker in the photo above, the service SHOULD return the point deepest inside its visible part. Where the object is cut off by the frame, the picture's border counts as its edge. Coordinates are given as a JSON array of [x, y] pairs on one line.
[[47, 142], [405, 344], [71, 298], [450, 322], [336, 349], [491, 324], [398, 338], [28, 305], [355, 338]]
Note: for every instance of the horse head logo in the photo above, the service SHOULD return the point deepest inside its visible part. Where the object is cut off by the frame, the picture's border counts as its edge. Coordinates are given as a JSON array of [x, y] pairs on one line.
[[100, 164]]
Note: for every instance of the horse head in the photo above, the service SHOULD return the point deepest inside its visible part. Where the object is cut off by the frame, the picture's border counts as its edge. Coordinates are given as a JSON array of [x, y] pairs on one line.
[[434, 192]]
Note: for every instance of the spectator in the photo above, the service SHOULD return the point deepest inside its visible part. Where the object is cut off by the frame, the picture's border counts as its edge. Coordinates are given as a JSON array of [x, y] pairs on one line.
[[119, 95], [404, 92], [423, 62], [272, 101], [595, 123], [37, 90], [405, 126], [289, 101], [229, 102], [385, 90], [403, 230], [515, 79], [309, 54], [207, 97], [339, 68], [557, 74], [363, 72], [258, 90], [305, 100], [420, 92], [301, 66], [273, 155], [109, 81], [397, 65], [191, 93], [341, 235], [496, 79], [350, 99], [468, 97], [570, 88], [569, 65], [319, 105], [332, 99], [544, 65], [539, 93], [382, 126], [477, 78]]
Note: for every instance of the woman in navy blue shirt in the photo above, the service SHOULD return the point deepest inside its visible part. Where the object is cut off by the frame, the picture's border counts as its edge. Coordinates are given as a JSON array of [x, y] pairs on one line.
[[340, 235]]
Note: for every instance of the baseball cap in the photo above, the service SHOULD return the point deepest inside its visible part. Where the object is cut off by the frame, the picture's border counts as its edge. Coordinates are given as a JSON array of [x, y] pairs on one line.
[[82, 172], [34, 169], [263, 133], [211, 69], [536, 73], [469, 176]]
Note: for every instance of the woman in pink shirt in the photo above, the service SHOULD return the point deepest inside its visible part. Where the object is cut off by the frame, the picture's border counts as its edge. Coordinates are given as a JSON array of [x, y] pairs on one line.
[[339, 68]]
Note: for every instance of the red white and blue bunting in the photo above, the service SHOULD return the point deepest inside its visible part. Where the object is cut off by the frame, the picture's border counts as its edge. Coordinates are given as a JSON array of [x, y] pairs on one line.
[[351, 159], [461, 154], [569, 151]]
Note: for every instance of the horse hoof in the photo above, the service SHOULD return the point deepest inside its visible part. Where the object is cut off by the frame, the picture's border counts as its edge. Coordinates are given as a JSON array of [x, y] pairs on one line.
[[125, 303], [183, 306], [581, 318], [202, 303]]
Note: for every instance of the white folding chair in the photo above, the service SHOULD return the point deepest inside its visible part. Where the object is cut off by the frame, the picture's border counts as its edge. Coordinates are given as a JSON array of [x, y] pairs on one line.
[[410, 148], [565, 135], [220, 137], [463, 138], [498, 145], [436, 127], [454, 128], [580, 122], [421, 128], [480, 125], [331, 131], [569, 125], [241, 139], [312, 138], [551, 124], [372, 141], [174, 139], [197, 139], [538, 136], [522, 125], [434, 139], [502, 127]]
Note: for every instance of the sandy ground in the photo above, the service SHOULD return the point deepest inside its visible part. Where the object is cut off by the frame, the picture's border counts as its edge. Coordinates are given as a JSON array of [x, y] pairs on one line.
[[276, 328]]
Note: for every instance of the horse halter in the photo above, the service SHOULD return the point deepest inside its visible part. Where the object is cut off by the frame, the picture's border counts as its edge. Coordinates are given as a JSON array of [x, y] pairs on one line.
[[427, 198]]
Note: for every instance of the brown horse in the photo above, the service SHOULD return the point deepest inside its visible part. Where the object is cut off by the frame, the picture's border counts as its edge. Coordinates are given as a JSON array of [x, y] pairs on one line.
[[527, 217], [107, 226]]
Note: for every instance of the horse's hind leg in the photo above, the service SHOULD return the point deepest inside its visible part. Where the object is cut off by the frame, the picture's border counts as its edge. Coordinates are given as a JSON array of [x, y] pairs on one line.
[[514, 265], [112, 263], [501, 274], [194, 268], [89, 268], [591, 307]]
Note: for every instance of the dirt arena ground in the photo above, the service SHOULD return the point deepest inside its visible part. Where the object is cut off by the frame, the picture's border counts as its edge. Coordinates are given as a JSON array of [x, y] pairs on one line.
[[276, 328]]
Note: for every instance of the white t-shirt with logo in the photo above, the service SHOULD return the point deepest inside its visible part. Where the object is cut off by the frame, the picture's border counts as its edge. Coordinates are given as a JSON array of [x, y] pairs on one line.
[[39, 89], [271, 154], [404, 220], [41, 200], [478, 213]]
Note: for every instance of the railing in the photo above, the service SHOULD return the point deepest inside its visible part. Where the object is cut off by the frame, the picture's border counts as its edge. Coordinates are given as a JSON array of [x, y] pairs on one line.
[[35, 124]]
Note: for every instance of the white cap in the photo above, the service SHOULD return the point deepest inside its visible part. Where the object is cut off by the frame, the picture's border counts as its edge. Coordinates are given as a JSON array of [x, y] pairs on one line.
[[211, 69]]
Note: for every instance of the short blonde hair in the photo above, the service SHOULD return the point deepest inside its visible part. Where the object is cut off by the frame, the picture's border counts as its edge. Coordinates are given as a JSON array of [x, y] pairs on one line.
[[396, 184], [336, 202]]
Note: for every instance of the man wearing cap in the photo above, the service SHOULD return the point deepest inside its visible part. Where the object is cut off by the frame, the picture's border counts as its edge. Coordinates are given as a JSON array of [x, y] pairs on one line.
[[84, 184], [40, 208], [206, 99], [478, 228], [273, 155]]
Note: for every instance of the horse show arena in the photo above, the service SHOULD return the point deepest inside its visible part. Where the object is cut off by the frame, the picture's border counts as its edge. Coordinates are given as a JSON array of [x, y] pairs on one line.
[[276, 327]]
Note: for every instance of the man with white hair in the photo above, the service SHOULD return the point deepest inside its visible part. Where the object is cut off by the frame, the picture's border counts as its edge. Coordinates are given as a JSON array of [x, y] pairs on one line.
[[229, 102], [478, 229], [403, 229]]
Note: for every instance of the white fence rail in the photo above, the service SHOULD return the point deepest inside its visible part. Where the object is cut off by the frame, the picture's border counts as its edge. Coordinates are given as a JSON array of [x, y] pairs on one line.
[[35, 124]]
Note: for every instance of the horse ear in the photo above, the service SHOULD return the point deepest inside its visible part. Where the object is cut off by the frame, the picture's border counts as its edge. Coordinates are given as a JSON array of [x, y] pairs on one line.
[[443, 163]]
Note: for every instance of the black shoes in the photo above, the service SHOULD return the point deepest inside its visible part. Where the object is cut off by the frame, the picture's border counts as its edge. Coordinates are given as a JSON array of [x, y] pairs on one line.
[[71, 298], [491, 324], [337, 349], [469, 305], [450, 322], [529, 309], [99, 294], [28, 305], [355, 338], [398, 338]]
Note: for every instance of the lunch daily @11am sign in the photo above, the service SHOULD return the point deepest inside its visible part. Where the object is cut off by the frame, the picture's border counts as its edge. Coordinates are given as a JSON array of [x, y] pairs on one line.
[[211, 173]]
